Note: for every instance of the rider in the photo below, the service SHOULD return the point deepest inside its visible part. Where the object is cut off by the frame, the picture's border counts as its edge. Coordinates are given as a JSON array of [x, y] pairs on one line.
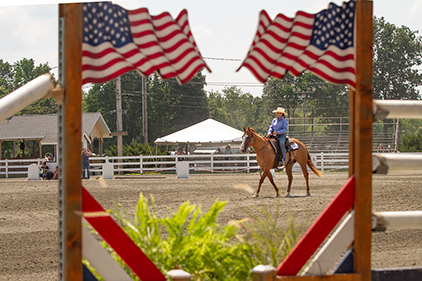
[[278, 128]]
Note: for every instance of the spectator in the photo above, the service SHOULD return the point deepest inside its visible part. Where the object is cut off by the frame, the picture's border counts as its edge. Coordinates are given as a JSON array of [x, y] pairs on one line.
[[45, 173], [227, 151], [85, 162], [56, 173], [180, 152], [380, 149]]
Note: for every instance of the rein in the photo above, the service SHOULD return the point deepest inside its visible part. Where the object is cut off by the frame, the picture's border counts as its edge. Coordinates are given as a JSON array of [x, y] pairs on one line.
[[265, 144]]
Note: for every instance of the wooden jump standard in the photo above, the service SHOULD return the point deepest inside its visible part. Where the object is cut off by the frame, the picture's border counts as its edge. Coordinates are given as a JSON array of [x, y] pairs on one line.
[[360, 154]]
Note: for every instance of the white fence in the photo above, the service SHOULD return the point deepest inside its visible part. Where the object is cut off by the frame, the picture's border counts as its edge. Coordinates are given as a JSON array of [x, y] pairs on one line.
[[212, 163]]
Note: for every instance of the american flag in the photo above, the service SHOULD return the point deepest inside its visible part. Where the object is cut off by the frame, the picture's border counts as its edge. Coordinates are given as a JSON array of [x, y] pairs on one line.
[[116, 41], [322, 43]]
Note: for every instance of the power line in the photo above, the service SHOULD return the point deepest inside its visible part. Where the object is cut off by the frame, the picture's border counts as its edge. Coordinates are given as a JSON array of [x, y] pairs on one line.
[[209, 58]]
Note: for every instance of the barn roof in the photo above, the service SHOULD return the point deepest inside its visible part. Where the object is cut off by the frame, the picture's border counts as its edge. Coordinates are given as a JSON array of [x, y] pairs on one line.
[[44, 127]]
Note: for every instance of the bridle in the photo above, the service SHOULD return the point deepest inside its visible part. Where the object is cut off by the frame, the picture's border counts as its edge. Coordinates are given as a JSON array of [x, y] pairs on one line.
[[261, 147]]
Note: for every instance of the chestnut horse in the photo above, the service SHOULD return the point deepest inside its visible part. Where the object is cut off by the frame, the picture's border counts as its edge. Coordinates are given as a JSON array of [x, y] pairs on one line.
[[265, 156]]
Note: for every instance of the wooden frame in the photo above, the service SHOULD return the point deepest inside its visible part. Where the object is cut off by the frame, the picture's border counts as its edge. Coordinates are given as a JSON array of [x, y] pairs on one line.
[[70, 145], [70, 127]]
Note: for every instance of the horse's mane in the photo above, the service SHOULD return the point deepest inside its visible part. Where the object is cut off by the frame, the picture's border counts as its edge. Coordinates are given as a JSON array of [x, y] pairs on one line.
[[253, 131]]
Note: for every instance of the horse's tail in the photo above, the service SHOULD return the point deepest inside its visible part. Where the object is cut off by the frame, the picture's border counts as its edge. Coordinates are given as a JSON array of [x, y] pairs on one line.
[[312, 167]]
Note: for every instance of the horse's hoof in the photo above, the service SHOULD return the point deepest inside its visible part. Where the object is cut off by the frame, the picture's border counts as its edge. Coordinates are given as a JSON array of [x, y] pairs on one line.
[[288, 195], [255, 196], [308, 194]]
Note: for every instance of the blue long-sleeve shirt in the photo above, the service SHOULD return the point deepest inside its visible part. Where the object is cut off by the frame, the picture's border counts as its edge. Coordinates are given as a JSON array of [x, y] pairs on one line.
[[279, 125]]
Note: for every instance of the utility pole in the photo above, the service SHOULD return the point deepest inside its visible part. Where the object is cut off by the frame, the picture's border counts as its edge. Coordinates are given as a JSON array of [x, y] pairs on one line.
[[144, 109], [119, 124]]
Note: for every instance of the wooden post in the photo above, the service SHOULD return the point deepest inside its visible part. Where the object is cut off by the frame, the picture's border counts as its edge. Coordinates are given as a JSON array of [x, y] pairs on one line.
[[352, 95], [363, 119], [70, 163], [40, 147]]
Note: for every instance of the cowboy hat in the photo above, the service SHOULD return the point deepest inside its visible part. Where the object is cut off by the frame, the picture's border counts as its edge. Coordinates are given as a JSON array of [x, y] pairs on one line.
[[281, 110]]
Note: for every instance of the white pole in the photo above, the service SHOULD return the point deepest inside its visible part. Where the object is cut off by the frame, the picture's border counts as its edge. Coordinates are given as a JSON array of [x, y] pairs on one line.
[[387, 163], [397, 109], [25, 95], [397, 220]]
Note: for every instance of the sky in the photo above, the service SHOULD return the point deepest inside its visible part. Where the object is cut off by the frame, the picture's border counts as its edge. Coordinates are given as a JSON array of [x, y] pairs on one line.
[[223, 29]]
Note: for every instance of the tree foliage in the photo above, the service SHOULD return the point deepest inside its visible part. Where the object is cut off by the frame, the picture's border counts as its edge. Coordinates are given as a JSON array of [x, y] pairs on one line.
[[135, 149], [235, 108], [397, 51], [411, 143], [170, 106], [13, 76]]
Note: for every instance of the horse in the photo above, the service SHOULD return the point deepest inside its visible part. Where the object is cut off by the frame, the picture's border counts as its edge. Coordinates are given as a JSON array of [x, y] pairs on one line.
[[265, 156]]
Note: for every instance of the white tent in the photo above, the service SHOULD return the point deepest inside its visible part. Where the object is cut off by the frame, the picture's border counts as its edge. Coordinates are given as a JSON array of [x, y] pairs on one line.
[[207, 131]]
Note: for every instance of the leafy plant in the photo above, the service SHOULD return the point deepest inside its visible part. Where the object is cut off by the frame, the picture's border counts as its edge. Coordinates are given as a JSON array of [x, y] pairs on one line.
[[190, 240]]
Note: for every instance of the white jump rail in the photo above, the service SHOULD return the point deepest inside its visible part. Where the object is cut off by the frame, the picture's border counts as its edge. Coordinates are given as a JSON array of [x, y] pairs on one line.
[[397, 220], [397, 109], [26, 95], [405, 163]]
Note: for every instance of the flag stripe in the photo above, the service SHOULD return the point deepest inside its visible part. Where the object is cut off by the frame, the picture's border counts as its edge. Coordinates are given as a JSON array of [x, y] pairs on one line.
[[118, 40], [321, 43]]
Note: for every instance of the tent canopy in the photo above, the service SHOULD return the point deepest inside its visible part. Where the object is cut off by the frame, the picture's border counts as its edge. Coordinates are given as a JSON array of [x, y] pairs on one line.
[[207, 131]]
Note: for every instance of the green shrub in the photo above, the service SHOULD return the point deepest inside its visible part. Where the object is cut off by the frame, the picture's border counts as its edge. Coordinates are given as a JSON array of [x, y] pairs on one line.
[[411, 143], [136, 149], [195, 242]]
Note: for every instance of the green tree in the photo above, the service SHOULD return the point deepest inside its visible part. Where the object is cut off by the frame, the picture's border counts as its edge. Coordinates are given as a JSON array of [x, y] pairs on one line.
[[6, 78], [135, 149], [170, 106], [21, 72], [397, 51], [411, 143], [13, 76], [173, 107], [235, 108], [305, 96]]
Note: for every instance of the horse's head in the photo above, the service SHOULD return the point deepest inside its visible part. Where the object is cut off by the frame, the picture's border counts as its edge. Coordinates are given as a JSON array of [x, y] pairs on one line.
[[247, 139]]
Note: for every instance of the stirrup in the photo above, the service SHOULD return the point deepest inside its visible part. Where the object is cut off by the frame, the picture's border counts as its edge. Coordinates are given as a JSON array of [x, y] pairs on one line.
[[280, 166]]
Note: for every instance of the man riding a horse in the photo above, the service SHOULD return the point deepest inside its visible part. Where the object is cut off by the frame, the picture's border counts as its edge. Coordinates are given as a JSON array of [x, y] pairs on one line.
[[278, 129]]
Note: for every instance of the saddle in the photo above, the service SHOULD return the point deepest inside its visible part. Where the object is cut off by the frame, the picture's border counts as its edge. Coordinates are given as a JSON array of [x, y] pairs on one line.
[[289, 144]]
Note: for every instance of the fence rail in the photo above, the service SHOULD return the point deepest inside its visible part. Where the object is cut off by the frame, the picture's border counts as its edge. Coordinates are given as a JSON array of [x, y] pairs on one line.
[[212, 163]]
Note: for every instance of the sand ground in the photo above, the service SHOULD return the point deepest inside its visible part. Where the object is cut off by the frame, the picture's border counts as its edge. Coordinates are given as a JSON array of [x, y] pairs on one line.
[[29, 212]]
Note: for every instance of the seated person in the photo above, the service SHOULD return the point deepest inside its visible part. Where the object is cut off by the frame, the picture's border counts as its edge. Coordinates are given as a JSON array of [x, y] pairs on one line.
[[45, 173], [56, 173]]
